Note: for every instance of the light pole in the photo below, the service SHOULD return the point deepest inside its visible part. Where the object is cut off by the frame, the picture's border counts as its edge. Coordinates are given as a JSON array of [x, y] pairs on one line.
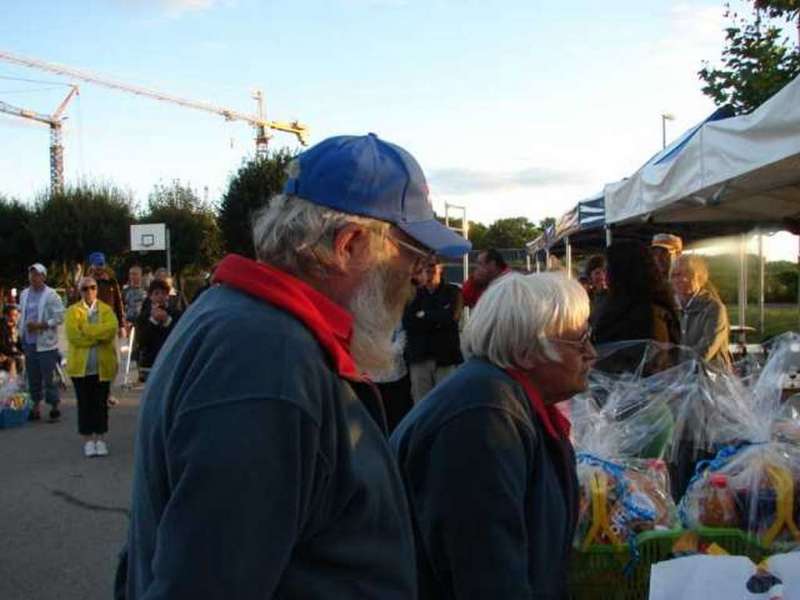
[[664, 118]]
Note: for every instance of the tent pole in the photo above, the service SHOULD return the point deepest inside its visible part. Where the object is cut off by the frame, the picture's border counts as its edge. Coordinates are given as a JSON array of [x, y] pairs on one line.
[[568, 248], [761, 280], [742, 285], [608, 235], [527, 263]]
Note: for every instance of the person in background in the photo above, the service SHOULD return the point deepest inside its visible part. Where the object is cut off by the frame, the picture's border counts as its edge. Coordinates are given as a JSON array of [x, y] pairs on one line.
[[177, 301], [490, 265], [108, 290], [41, 312], [703, 317], [595, 272], [91, 327], [262, 468], [639, 306], [153, 327], [486, 459], [431, 324], [11, 355], [174, 306], [147, 277], [133, 294], [666, 248]]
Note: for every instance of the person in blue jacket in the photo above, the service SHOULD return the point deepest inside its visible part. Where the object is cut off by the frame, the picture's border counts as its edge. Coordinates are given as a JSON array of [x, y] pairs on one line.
[[486, 457], [262, 468]]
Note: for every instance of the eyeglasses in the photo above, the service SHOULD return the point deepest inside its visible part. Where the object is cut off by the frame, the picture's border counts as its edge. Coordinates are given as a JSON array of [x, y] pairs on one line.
[[582, 343], [86, 288], [420, 253]]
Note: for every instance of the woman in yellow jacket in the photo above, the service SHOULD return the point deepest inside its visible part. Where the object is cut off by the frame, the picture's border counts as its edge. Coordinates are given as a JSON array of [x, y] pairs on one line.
[[91, 363]]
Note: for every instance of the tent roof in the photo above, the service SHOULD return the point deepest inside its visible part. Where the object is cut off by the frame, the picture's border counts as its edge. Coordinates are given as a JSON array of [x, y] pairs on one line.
[[741, 170]]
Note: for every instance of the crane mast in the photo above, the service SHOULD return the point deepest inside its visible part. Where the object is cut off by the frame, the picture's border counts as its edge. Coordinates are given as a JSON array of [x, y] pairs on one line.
[[54, 121], [262, 125]]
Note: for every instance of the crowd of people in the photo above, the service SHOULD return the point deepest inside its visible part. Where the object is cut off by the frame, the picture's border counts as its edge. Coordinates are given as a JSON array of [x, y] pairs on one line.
[[321, 423], [96, 315]]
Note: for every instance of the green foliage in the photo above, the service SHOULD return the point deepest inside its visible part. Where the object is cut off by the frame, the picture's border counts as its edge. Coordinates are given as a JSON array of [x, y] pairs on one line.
[[757, 60], [17, 246], [546, 222], [788, 9], [477, 235], [85, 218], [777, 319], [510, 233], [250, 189], [194, 234], [780, 279]]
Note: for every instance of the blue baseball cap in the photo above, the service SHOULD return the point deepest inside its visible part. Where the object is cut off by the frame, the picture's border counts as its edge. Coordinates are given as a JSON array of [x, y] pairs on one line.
[[366, 176], [97, 259]]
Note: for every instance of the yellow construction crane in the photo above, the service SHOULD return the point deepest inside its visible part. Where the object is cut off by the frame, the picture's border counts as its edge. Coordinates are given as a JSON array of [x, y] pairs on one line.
[[262, 126], [56, 147]]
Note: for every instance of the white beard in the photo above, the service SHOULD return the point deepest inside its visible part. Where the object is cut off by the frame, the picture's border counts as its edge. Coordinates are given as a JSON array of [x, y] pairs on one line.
[[377, 308]]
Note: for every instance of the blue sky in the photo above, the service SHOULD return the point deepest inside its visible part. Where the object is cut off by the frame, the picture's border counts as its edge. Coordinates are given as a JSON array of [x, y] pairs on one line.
[[512, 108]]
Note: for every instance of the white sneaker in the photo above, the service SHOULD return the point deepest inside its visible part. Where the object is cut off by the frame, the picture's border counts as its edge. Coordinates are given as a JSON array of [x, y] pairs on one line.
[[90, 449], [101, 449]]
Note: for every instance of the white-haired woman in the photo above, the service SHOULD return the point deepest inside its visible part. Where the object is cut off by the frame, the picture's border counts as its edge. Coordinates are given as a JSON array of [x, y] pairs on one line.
[[704, 319], [486, 458]]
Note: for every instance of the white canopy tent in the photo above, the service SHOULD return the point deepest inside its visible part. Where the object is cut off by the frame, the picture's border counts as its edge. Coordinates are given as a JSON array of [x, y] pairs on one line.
[[738, 174], [743, 169]]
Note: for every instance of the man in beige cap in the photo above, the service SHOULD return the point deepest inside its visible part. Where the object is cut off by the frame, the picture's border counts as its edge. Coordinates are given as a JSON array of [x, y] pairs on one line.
[[666, 248]]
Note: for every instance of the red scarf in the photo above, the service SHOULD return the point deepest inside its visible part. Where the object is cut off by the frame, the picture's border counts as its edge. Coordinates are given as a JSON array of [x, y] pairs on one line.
[[330, 324], [555, 423]]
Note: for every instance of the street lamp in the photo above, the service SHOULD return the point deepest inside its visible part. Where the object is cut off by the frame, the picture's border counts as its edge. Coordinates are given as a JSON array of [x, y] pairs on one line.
[[664, 118]]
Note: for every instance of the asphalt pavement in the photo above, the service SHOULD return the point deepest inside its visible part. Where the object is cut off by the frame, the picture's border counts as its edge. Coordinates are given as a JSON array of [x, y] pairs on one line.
[[64, 517]]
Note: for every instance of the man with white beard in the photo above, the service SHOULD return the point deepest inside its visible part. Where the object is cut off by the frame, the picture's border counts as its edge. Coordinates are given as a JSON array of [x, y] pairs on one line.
[[262, 468]]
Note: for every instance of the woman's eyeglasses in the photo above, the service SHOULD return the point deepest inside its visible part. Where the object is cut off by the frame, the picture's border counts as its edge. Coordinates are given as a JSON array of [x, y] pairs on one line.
[[582, 343]]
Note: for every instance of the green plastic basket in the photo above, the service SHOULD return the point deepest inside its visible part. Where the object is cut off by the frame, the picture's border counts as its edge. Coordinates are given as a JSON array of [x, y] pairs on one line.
[[612, 573]]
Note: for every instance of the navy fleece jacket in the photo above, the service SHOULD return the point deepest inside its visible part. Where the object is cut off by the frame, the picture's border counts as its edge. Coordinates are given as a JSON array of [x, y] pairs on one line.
[[259, 473]]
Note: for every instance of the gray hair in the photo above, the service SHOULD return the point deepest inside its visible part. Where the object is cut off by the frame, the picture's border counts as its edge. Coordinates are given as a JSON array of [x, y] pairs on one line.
[[516, 315], [297, 236]]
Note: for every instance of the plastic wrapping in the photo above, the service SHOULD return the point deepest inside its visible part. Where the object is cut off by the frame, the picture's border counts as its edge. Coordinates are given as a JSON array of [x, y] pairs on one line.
[[753, 481], [12, 394], [622, 429]]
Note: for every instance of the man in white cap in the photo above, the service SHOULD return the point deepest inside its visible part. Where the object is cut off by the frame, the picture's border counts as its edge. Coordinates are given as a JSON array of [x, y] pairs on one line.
[[665, 248], [41, 313]]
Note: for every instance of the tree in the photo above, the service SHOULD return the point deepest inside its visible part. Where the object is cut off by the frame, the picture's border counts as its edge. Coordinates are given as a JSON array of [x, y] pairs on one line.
[[477, 235], [68, 226], [17, 246], [510, 233], [250, 189], [546, 222], [194, 234], [757, 60]]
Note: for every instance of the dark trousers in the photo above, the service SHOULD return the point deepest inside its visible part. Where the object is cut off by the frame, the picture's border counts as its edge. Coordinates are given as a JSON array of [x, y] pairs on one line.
[[92, 397], [396, 400], [40, 368]]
